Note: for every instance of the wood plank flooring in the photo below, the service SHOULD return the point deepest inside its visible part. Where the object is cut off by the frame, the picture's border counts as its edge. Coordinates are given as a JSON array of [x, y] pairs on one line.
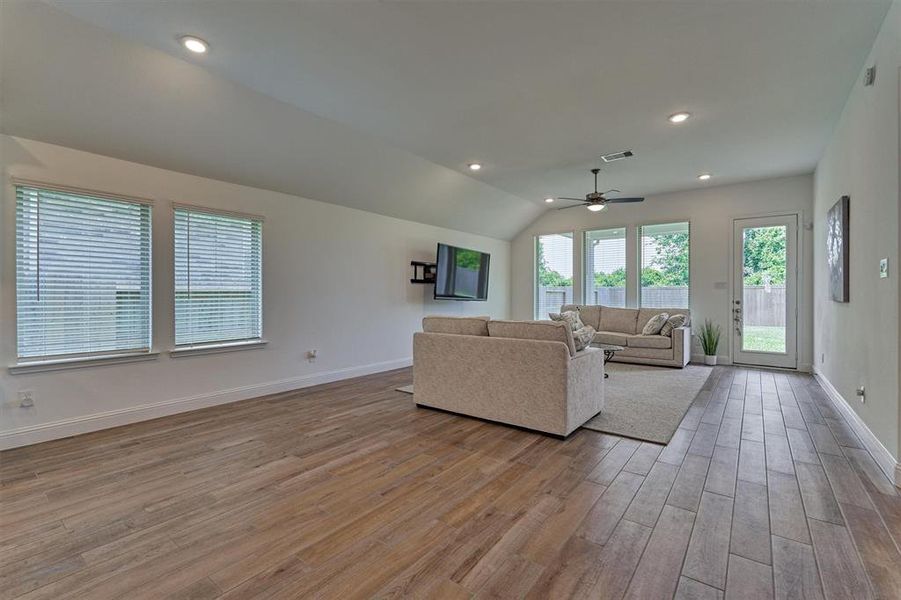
[[349, 491]]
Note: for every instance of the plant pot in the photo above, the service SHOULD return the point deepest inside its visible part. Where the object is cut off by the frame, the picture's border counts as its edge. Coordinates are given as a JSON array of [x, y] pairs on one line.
[[710, 360]]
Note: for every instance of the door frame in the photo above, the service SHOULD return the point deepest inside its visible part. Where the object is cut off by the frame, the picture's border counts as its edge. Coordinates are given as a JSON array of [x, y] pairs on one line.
[[769, 359]]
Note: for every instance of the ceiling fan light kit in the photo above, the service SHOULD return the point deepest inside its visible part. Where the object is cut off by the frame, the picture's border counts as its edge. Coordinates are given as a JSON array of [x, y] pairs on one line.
[[597, 201]]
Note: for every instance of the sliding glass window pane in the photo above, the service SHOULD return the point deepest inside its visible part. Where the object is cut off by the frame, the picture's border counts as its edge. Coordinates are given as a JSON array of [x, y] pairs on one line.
[[664, 265], [555, 273], [763, 298], [605, 267]]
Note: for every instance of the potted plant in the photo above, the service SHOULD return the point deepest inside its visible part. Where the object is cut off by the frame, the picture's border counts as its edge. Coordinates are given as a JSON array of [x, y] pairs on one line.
[[710, 340]]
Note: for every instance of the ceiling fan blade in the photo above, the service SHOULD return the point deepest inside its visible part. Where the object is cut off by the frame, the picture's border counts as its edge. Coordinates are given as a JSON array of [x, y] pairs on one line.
[[573, 199], [623, 200], [573, 206]]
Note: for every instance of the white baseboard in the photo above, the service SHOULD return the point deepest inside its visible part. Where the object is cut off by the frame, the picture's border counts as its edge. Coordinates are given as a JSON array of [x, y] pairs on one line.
[[880, 453], [33, 434]]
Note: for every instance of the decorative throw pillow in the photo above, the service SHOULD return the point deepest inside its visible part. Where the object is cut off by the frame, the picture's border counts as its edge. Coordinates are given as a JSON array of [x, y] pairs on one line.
[[582, 333], [582, 337], [673, 322], [655, 324], [571, 317]]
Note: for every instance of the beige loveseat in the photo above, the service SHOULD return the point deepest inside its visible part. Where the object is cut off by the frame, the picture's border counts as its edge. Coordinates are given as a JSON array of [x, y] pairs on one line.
[[523, 373], [622, 327]]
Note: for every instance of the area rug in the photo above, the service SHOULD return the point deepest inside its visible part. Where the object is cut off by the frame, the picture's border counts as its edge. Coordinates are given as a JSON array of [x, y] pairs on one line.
[[647, 403], [644, 402]]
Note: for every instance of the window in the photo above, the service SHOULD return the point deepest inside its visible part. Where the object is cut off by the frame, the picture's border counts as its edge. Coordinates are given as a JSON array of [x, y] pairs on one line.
[[82, 274], [554, 277], [664, 265], [218, 277], [605, 267]]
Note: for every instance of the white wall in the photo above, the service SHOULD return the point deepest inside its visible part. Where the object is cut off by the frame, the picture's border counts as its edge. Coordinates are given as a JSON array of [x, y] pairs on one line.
[[710, 212], [335, 279], [857, 343]]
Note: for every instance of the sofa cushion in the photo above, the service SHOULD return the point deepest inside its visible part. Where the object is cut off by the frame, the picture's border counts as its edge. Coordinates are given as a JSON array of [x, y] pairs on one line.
[[553, 331], [621, 320], [674, 322], [610, 337], [456, 325], [654, 324], [644, 353], [650, 341]]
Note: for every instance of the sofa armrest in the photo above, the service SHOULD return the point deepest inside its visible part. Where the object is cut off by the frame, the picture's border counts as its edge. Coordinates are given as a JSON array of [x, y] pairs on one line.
[[682, 345], [585, 387]]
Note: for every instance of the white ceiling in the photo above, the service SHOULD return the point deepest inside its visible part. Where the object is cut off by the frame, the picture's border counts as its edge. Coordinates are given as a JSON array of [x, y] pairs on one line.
[[534, 90]]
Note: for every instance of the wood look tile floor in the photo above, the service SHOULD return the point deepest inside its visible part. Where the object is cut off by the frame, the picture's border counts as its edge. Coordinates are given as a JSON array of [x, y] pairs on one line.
[[349, 491]]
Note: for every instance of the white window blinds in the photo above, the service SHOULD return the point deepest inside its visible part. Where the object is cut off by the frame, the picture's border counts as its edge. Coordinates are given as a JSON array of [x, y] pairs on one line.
[[218, 277], [82, 274]]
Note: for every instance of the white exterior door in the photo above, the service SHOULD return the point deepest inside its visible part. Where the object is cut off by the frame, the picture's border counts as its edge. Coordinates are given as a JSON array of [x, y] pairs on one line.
[[765, 296]]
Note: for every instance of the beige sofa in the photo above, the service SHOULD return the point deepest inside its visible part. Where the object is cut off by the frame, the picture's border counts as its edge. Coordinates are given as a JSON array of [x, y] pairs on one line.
[[622, 327], [523, 373]]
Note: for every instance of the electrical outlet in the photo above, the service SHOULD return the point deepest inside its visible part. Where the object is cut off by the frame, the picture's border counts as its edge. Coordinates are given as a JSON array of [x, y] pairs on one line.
[[26, 398], [862, 394]]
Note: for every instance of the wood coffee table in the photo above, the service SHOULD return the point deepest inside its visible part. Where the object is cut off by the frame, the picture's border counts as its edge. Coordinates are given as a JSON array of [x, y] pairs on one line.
[[609, 351]]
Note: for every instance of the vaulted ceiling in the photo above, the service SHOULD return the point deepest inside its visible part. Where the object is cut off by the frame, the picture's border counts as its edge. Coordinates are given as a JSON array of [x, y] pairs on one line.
[[380, 105]]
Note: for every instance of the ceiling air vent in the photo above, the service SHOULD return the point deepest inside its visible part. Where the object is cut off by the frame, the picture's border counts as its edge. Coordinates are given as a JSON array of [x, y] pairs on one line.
[[614, 156]]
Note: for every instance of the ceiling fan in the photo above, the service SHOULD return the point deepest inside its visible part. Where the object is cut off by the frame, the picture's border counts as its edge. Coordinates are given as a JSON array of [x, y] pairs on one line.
[[595, 201]]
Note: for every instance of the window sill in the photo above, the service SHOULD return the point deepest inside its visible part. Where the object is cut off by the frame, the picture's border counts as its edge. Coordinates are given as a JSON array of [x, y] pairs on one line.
[[58, 364], [201, 349]]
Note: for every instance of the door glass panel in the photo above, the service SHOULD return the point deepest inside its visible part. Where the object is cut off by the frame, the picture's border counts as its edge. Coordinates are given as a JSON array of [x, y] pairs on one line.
[[763, 297]]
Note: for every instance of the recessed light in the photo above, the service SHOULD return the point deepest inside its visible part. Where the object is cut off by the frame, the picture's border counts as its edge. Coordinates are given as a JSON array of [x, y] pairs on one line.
[[680, 117], [548, 200], [475, 166], [704, 176], [194, 44], [596, 207]]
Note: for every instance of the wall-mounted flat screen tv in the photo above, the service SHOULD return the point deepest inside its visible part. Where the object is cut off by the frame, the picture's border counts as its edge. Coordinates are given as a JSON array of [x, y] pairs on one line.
[[461, 274]]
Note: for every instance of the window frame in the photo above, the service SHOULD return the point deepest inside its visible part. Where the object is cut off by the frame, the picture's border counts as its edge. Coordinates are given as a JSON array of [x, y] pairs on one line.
[[213, 347], [36, 363]]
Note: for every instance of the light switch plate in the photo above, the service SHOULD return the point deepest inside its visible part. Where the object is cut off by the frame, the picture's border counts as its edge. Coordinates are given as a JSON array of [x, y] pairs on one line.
[[883, 268]]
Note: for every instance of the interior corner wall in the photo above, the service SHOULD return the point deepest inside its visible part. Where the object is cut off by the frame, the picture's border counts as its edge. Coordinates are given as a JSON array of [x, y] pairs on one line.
[[857, 343], [335, 279], [710, 212]]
